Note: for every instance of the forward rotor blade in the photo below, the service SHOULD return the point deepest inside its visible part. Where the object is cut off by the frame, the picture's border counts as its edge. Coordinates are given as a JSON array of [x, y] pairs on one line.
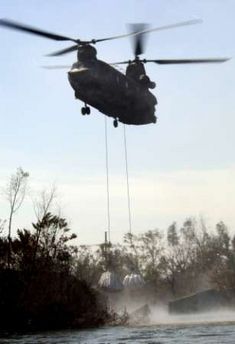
[[57, 67], [187, 61], [160, 28], [64, 51], [10, 24], [122, 62]]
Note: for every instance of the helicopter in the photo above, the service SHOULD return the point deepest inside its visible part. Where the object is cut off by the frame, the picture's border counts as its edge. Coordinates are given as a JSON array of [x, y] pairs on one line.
[[124, 97]]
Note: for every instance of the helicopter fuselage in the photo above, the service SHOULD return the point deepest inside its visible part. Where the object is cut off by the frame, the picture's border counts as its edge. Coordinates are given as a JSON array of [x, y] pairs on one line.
[[126, 98], [114, 94]]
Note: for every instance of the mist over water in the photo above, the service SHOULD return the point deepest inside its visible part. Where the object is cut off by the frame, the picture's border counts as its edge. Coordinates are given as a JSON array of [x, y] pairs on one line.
[[161, 316], [214, 327]]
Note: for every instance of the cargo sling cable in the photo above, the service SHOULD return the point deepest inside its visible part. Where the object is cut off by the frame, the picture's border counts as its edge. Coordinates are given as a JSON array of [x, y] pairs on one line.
[[107, 179], [127, 180]]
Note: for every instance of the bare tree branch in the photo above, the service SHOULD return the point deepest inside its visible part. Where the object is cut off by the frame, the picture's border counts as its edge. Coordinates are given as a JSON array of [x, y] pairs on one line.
[[43, 204], [15, 193]]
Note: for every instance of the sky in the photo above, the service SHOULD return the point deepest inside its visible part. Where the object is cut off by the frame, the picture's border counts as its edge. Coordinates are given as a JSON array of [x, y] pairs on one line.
[[183, 166]]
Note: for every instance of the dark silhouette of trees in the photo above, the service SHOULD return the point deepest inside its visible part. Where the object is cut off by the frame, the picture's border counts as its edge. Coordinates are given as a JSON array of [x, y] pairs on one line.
[[41, 289]]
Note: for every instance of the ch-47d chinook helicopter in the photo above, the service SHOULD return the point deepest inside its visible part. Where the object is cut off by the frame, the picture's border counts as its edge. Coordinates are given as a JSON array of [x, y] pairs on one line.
[[125, 97]]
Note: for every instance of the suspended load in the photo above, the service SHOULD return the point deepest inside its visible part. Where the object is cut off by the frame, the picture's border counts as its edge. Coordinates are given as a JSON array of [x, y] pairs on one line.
[[133, 281], [109, 281]]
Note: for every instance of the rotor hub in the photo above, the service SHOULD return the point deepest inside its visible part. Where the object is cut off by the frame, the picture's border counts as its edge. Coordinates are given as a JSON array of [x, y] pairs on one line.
[[86, 52]]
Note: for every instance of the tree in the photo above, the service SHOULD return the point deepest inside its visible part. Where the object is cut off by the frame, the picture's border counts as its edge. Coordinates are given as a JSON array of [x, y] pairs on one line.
[[52, 236], [132, 252], [23, 250], [223, 236], [87, 265], [150, 256], [43, 204], [172, 236], [2, 225], [15, 193], [171, 260]]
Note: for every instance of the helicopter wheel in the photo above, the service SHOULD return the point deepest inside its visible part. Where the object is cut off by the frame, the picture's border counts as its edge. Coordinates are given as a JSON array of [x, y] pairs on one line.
[[115, 123], [155, 119], [83, 110]]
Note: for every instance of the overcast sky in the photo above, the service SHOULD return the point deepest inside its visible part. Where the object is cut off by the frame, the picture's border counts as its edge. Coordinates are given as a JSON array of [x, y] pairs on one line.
[[183, 166]]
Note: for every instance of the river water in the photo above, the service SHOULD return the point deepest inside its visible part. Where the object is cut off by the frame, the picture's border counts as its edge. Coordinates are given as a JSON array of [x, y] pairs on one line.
[[213, 328]]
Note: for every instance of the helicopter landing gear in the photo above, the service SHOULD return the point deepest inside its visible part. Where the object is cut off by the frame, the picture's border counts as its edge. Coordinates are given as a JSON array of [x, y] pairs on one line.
[[85, 110], [155, 119], [115, 123]]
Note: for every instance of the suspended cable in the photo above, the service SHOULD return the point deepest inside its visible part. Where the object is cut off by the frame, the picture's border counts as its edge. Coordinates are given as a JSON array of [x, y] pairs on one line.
[[127, 181], [107, 178]]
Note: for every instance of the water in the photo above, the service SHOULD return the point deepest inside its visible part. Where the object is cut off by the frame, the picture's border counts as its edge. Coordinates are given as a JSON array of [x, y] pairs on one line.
[[187, 334], [216, 328]]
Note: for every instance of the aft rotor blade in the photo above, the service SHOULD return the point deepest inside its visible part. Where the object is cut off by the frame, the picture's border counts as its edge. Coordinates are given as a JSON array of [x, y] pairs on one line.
[[139, 44], [139, 39], [187, 61], [10, 24], [64, 51], [160, 28], [178, 61]]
